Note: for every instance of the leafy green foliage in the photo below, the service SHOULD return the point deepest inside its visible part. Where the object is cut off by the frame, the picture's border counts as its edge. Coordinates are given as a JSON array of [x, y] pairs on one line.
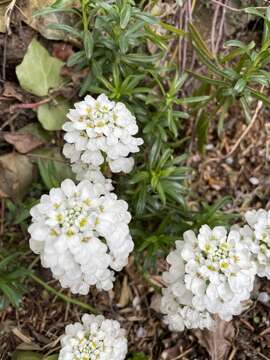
[[234, 76], [114, 37], [53, 167], [11, 276]]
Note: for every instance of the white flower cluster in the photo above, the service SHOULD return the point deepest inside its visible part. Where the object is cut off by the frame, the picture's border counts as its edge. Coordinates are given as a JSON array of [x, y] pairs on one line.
[[176, 301], [258, 239], [212, 273], [101, 130], [96, 338], [81, 233]]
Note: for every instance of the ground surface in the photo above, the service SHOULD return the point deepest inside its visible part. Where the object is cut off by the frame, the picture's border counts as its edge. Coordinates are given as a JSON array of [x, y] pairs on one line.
[[244, 175]]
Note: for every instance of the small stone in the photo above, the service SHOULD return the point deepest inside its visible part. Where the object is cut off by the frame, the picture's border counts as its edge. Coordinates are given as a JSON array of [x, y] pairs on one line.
[[263, 297], [254, 181]]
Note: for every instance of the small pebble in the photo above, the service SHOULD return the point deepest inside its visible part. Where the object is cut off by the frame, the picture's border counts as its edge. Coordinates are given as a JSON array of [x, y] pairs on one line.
[[141, 332], [209, 147], [229, 160], [263, 297], [254, 181]]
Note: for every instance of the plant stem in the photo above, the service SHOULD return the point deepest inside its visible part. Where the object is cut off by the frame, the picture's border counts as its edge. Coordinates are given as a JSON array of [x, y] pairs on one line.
[[85, 14], [62, 296]]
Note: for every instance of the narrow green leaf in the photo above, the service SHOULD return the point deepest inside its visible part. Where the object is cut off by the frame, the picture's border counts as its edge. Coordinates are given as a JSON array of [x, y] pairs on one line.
[[201, 129], [172, 29], [88, 43], [260, 96], [207, 79], [26, 355], [196, 37], [66, 28], [76, 58], [192, 100], [125, 15]]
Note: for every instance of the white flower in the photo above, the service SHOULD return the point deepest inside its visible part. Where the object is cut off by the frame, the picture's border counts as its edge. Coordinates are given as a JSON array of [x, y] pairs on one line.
[[81, 233], [101, 130], [219, 270], [176, 302], [85, 171], [212, 273], [258, 239], [96, 338]]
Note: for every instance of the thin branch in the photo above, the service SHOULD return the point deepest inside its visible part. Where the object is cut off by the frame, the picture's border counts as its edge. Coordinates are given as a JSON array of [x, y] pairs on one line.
[[213, 30], [16, 107], [226, 6], [254, 117]]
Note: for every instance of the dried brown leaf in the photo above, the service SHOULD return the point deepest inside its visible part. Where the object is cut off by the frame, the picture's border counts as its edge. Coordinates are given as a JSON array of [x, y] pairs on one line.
[[12, 90], [217, 341], [155, 302], [23, 143], [16, 174], [62, 50], [125, 294]]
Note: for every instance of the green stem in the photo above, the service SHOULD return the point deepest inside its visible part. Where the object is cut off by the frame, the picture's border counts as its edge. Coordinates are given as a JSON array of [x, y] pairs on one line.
[[85, 14], [62, 296]]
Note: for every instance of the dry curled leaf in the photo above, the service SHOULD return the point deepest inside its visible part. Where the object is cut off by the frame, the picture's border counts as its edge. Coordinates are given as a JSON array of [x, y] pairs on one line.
[[125, 294], [23, 143], [218, 341], [16, 174], [12, 90]]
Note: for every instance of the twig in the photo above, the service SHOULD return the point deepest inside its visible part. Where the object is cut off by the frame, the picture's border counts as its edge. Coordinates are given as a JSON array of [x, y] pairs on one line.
[[213, 30], [8, 14], [183, 354], [226, 6], [15, 107], [2, 226], [66, 298], [232, 354], [258, 108], [221, 27], [4, 58]]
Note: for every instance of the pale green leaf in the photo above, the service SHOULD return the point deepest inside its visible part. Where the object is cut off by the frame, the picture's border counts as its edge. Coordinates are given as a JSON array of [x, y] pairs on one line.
[[39, 71], [26, 355], [52, 116]]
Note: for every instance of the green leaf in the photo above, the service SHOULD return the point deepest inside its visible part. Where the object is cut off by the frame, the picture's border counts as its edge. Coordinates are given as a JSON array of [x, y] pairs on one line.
[[138, 356], [51, 357], [66, 28], [240, 85], [39, 72], [194, 99], [88, 43], [154, 153], [196, 37], [202, 126], [76, 58], [254, 11], [260, 96], [52, 116], [26, 355], [52, 167], [208, 80], [10, 293], [172, 28], [9, 259], [125, 16]]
